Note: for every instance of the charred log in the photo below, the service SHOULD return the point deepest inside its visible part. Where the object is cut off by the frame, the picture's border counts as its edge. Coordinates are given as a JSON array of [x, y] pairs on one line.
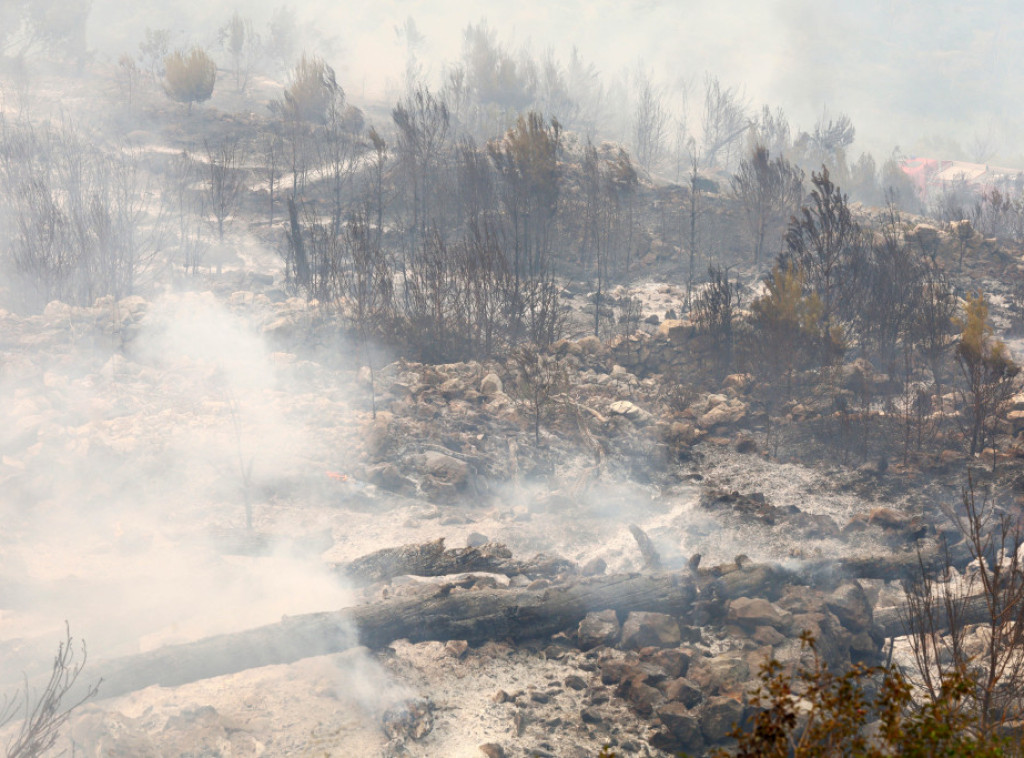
[[433, 559], [475, 616]]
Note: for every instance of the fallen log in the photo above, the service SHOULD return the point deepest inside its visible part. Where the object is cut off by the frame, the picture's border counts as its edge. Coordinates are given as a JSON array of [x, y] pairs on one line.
[[475, 616], [432, 559], [905, 565], [892, 622]]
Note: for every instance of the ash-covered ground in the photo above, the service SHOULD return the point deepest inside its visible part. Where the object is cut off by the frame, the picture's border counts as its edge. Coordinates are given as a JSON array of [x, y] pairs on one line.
[[141, 435]]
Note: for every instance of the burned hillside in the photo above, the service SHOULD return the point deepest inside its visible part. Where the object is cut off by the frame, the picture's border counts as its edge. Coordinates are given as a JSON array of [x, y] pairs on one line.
[[517, 409]]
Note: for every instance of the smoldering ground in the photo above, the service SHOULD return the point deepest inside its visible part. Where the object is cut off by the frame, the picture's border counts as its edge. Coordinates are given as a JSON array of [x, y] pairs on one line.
[[128, 476]]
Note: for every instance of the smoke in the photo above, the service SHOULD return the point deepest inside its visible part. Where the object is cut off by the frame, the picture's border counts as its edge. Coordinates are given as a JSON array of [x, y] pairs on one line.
[[909, 74], [127, 478]]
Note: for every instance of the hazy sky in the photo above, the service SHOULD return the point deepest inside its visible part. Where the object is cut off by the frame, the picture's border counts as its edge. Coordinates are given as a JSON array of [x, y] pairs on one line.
[[909, 72]]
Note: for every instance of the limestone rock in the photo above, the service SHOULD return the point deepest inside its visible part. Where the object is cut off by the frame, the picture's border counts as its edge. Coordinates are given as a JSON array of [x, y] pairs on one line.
[[630, 410], [729, 412], [491, 385]]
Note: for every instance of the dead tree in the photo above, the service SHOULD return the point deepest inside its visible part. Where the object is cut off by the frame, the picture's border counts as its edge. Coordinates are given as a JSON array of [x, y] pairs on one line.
[[973, 625], [769, 192], [226, 180], [477, 616], [46, 714]]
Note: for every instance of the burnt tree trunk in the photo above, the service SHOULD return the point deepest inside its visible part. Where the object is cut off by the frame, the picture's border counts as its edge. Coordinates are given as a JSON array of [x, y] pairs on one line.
[[432, 559], [475, 616]]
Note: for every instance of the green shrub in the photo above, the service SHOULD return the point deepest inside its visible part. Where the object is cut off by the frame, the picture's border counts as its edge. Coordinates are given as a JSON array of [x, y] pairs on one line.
[[190, 76], [817, 713]]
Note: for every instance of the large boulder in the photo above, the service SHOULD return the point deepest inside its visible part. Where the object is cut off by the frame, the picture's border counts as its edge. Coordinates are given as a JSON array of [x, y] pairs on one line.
[[644, 629], [676, 331], [491, 385], [387, 476], [751, 613], [729, 412], [445, 468]]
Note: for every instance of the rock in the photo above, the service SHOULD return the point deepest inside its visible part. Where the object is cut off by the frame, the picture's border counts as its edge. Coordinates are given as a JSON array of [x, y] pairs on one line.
[[682, 690], [684, 727], [926, 235], [475, 539], [751, 613], [643, 697], [456, 648], [813, 525], [887, 518], [719, 717], [745, 445], [598, 628], [574, 682], [676, 331], [452, 388], [947, 457], [864, 649], [388, 477], [851, 606], [1016, 420], [594, 567], [411, 719], [831, 640], [766, 635], [629, 410], [445, 468], [590, 716], [378, 438], [681, 433], [724, 413], [644, 629], [614, 670], [492, 750], [738, 382], [491, 385], [727, 672], [673, 661]]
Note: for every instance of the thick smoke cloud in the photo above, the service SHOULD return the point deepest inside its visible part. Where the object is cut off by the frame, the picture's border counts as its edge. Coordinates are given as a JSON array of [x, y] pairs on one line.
[[127, 517], [914, 74]]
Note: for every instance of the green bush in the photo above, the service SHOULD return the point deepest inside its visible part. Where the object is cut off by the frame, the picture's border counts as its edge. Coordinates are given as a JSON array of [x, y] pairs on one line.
[[866, 712], [817, 713], [189, 77]]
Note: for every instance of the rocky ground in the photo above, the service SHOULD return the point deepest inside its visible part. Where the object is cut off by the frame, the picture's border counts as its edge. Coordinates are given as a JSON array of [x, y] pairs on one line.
[[140, 436]]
